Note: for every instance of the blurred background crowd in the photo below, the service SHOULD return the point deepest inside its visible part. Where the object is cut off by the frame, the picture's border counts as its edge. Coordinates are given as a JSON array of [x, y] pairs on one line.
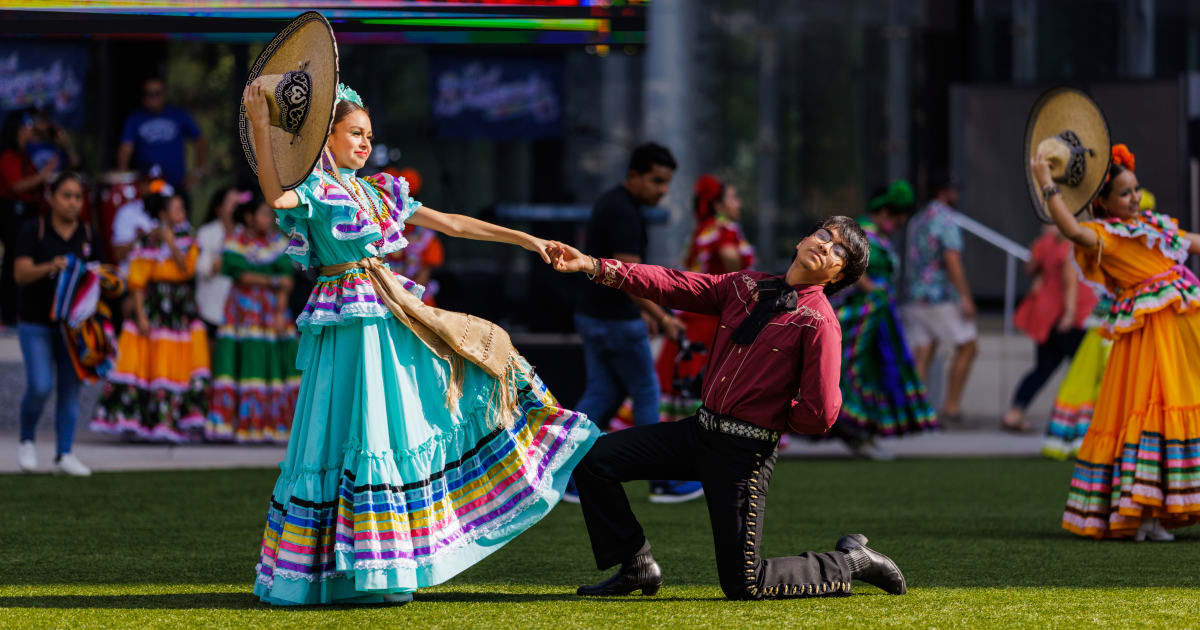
[[792, 111]]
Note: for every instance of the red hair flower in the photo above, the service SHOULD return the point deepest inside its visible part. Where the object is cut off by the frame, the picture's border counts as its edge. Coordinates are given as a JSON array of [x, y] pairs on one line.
[[1123, 156], [707, 190]]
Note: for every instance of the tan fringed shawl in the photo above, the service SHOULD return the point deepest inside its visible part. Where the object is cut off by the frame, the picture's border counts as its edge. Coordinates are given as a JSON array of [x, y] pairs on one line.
[[452, 336]]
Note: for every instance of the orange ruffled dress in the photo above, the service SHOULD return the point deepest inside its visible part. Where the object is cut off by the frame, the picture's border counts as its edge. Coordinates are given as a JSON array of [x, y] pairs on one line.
[[1141, 455]]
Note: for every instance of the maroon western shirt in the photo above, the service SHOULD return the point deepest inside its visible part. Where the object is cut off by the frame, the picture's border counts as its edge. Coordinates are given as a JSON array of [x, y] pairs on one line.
[[798, 351]]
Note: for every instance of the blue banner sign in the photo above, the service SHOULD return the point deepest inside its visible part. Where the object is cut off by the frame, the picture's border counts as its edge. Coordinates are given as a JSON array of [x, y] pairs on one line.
[[506, 98], [50, 75]]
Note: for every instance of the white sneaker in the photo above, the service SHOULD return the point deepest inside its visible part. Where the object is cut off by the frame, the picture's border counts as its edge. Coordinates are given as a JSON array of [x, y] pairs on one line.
[[27, 456], [1161, 533], [1151, 528], [68, 464], [872, 451]]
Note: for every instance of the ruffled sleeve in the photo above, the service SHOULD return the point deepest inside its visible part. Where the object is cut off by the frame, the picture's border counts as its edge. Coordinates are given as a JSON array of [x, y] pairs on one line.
[[1089, 259], [294, 222], [394, 191]]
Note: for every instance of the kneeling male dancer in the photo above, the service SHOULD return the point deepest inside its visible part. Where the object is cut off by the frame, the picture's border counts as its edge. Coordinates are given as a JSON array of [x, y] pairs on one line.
[[777, 336]]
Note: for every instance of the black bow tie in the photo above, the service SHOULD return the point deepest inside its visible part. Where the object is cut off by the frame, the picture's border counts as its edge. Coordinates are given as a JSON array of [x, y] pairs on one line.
[[774, 296]]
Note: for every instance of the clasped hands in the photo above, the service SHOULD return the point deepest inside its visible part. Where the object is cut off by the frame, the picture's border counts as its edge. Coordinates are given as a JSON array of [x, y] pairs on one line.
[[567, 259]]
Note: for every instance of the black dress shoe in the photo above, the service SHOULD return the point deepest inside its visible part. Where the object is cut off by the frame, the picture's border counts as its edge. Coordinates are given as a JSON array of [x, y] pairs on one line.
[[640, 573], [870, 566]]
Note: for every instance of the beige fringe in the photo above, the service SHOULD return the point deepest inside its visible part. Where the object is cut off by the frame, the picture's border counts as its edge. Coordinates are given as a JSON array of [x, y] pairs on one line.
[[455, 337]]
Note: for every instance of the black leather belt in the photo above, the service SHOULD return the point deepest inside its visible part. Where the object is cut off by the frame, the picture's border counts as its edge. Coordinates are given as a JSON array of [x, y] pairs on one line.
[[729, 425]]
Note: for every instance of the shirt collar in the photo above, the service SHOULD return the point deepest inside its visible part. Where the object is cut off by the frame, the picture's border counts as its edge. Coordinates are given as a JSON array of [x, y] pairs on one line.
[[805, 289]]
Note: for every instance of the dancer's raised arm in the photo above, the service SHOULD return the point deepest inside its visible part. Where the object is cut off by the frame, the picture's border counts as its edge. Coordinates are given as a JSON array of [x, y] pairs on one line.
[[255, 101], [462, 226], [1063, 219]]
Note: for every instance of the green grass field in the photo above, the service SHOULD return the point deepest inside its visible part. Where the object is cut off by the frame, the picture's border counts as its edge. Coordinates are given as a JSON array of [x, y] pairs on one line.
[[978, 540]]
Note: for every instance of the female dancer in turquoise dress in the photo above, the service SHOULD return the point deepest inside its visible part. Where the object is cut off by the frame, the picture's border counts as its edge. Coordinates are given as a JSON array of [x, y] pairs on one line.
[[392, 483]]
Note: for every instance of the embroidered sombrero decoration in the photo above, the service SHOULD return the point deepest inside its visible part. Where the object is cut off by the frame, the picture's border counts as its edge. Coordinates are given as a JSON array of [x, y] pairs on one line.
[[1068, 125], [300, 67]]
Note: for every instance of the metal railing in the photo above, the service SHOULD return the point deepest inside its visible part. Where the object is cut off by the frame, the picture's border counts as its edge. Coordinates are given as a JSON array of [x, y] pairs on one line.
[[1012, 251]]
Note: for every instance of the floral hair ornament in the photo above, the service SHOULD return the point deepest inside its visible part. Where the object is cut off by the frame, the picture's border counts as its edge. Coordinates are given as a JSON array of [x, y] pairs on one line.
[[707, 189], [345, 93], [1123, 156]]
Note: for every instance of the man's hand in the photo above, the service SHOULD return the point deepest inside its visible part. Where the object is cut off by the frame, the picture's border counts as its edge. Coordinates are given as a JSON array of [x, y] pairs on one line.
[[672, 328], [567, 259], [651, 325], [968, 308]]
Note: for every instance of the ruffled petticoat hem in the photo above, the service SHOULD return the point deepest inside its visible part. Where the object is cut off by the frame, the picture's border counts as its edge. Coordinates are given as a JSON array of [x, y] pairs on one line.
[[186, 430], [1152, 478], [343, 578], [1068, 425]]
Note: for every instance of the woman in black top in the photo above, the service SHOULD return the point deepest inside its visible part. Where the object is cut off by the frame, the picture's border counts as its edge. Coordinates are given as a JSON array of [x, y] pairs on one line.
[[41, 252]]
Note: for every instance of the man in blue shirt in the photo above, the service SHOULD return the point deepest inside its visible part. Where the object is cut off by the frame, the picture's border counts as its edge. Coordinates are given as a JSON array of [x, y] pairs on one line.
[[156, 134]]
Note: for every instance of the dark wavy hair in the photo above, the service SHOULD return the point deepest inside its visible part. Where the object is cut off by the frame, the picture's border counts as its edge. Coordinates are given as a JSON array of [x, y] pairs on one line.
[[1098, 210], [851, 236], [647, 155], [62, 178]]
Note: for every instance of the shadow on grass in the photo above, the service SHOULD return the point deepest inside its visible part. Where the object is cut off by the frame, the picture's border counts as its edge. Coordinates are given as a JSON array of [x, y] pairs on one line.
[[244, 601], [461, 597], [164, 600]]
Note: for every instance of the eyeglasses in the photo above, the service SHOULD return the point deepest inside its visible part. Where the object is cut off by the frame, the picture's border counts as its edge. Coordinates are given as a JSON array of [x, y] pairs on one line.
[[838, 250]]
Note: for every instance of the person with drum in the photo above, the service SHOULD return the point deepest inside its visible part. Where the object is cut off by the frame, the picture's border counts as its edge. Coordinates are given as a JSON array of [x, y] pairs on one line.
[[1135, 472]]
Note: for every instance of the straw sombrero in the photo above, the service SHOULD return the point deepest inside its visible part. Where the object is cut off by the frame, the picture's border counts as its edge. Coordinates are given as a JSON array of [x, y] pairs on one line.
[[1068, 124], [300, 66]]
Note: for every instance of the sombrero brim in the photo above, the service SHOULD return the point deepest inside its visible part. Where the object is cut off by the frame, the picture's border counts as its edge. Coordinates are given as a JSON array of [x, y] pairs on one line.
[[308, 38], [1060, 109]]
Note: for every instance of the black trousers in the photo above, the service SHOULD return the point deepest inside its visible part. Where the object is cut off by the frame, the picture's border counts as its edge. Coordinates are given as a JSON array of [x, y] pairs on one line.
[[736, 472], [1058, 346]]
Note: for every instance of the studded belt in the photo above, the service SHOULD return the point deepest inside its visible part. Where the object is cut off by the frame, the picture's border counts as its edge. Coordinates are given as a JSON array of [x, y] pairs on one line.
[[729, 425]]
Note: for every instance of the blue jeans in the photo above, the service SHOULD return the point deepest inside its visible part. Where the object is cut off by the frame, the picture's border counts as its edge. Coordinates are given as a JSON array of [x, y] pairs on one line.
[[619, 363], [45, 353]]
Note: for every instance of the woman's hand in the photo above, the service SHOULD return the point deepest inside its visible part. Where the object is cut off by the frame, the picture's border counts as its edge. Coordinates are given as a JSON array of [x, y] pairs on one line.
[[567, 259], [254, 99], [49, 169], [539, 246], [1066, 322], [143, 323], [1040, 164], [281, 320]]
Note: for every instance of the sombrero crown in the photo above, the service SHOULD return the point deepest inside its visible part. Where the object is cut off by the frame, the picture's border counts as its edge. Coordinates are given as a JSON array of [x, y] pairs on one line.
[[1067, 125], [299, 70]]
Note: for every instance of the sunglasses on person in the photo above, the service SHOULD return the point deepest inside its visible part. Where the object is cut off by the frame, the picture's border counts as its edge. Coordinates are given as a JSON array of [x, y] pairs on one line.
[[838, 250]]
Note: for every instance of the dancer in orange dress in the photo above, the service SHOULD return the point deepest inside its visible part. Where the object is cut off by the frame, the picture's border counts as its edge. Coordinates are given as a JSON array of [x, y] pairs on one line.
[[1136, 471]]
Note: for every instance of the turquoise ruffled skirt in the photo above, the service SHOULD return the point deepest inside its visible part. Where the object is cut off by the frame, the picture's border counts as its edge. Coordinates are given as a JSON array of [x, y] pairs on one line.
[[383, 490]]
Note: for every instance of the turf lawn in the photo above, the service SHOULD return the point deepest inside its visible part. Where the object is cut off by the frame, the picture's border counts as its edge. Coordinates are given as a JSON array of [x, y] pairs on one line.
[[978, 540]]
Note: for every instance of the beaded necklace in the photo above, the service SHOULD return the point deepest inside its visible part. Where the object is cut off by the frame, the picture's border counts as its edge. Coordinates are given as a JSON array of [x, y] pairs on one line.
[[353, 190]]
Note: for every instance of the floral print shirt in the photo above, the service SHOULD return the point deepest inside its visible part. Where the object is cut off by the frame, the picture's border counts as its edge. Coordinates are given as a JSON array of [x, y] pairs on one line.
[[931, 233]]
